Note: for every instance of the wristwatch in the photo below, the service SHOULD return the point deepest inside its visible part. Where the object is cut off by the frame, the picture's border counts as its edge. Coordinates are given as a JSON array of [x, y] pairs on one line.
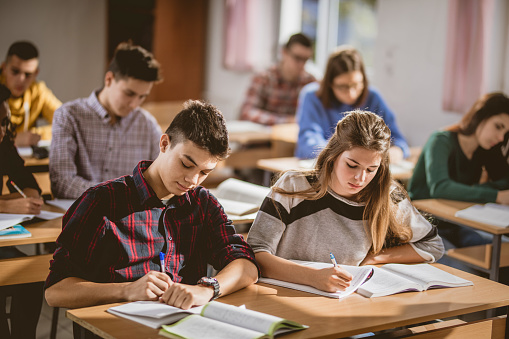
[[206, 281]]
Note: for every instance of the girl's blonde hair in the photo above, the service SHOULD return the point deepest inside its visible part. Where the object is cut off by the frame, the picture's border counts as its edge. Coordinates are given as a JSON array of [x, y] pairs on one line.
[[366, 130]]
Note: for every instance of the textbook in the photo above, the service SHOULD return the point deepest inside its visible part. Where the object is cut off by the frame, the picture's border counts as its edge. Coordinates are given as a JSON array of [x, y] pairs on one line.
[[397, 278], [152, 313], [371, 281], [490, 213], [11, 219], [240, 197], [360, 275], [218, 320], [13, 232]]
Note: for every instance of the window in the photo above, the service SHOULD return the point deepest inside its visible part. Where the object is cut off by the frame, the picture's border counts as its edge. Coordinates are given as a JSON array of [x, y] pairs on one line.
[[330, 23]]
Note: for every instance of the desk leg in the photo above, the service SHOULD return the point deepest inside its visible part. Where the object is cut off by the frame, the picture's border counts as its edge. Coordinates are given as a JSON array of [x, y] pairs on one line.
[[507, 322], [495, 257], [267, 175]]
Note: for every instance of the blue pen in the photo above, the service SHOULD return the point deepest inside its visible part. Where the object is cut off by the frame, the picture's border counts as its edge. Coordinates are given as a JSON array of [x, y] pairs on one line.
[[333, 259], [161, 259]]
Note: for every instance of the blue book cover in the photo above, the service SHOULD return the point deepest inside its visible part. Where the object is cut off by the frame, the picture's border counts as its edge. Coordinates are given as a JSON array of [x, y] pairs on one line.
[[16, 231]]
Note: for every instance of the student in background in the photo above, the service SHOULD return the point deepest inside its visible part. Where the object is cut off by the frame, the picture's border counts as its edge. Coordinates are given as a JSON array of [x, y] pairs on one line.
[[272, 96], [109, 247], [347, 205], [452, 161], [18, 73], [26, 299], [105, 135], [343, 88]]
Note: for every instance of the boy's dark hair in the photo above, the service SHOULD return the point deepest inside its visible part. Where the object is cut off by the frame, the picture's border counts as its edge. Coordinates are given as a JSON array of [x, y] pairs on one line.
[[24, 50], [130, 61], [300, 39], [204, 125]]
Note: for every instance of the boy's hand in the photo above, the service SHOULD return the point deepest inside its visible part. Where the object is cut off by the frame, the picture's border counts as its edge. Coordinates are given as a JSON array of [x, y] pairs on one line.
[[150, 287]]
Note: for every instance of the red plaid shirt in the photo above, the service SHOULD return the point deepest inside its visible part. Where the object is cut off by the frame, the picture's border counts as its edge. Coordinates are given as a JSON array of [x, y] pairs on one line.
[[271, 100], [115, 231]]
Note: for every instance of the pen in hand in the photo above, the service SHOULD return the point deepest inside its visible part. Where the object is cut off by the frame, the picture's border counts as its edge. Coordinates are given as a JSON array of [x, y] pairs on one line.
[[161, 260], [333, 259], [18, 189]]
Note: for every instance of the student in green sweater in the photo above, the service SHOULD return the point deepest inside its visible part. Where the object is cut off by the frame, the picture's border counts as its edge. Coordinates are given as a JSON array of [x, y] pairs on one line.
[[458, 164]]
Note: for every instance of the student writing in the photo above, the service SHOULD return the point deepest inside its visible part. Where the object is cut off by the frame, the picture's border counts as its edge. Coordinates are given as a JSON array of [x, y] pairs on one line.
[[343, 88], [112, 236], [452, 162], [347, 205], [105, 135], [26, 299], [30, 99], [272, 96]]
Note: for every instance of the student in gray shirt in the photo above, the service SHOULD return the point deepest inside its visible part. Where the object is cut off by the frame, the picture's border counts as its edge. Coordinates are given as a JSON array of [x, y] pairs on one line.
[[348, 205]]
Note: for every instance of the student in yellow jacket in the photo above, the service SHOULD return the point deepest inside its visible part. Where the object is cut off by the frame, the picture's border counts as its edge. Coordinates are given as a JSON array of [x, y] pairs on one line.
[[18, 74]]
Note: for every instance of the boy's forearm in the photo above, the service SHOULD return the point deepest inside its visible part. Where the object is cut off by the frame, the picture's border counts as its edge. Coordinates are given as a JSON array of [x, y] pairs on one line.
[[75, 292], [236, 275]]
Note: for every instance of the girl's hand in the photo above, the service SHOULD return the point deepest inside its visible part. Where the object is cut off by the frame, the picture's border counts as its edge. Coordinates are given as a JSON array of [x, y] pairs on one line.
[[503, 197], [332, 279], [22, 205]]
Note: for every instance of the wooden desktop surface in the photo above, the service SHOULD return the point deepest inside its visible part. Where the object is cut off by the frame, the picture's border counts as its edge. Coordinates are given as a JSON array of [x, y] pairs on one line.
[[327, 317], [31, 161], [42, 231], [445, 209]]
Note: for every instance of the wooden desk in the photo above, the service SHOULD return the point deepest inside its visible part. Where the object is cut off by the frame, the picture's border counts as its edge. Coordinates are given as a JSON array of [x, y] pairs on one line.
[[445, 209], [37, 165], [276, 141], [42, 231], [327, 317]]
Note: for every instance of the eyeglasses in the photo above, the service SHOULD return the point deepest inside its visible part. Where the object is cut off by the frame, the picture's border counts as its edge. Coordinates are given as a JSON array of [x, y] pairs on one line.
[[298, 58], [347, 87]]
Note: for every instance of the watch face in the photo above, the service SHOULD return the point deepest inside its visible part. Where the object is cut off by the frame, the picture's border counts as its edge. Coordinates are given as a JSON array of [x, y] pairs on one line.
[[207, 281]]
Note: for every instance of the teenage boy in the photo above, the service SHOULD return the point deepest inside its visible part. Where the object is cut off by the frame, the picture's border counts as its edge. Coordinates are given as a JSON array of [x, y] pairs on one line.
[[28, 97], [112, 235], [272, 96], [105, 135]]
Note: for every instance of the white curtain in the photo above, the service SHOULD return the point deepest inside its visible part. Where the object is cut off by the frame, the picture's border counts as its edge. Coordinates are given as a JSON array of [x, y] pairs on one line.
[[468, 34], [249, 34]]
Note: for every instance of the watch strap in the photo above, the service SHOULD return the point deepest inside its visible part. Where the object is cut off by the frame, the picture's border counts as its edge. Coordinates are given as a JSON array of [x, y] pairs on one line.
[[206, 281]]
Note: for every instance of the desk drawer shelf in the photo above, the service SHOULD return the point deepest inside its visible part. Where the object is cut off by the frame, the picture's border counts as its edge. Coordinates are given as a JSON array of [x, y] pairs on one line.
[[480, 255]]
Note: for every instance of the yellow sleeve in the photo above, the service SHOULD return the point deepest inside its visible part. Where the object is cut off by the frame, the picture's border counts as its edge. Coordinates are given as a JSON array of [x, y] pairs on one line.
[[48, 102]]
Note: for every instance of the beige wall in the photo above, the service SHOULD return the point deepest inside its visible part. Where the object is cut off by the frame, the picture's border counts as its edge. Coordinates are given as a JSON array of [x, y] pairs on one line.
[[70, 36]]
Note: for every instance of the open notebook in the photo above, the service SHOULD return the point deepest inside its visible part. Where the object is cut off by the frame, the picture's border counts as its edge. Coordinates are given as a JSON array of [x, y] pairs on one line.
[[239, 197], [492, 214]]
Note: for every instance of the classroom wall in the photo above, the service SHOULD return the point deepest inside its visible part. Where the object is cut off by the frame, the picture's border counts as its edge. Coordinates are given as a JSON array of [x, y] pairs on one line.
[[70, 36], [409, 67], [225, 88]]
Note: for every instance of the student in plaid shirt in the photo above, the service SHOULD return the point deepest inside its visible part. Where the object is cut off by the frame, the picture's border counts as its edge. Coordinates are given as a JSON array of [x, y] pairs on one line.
[[112, 235], [104, 136], [272, 96]]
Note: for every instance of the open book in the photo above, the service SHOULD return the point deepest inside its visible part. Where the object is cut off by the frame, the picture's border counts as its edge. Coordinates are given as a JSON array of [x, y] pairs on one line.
[[152, 313], [240, 197], [11, 219], [14, 232], [371, 281], [360, 275], [493, 214], [218, 321], [397, 278]]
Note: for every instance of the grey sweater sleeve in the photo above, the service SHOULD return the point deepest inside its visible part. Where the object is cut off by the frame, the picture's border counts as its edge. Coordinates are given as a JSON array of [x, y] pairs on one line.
[[425, 239]]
